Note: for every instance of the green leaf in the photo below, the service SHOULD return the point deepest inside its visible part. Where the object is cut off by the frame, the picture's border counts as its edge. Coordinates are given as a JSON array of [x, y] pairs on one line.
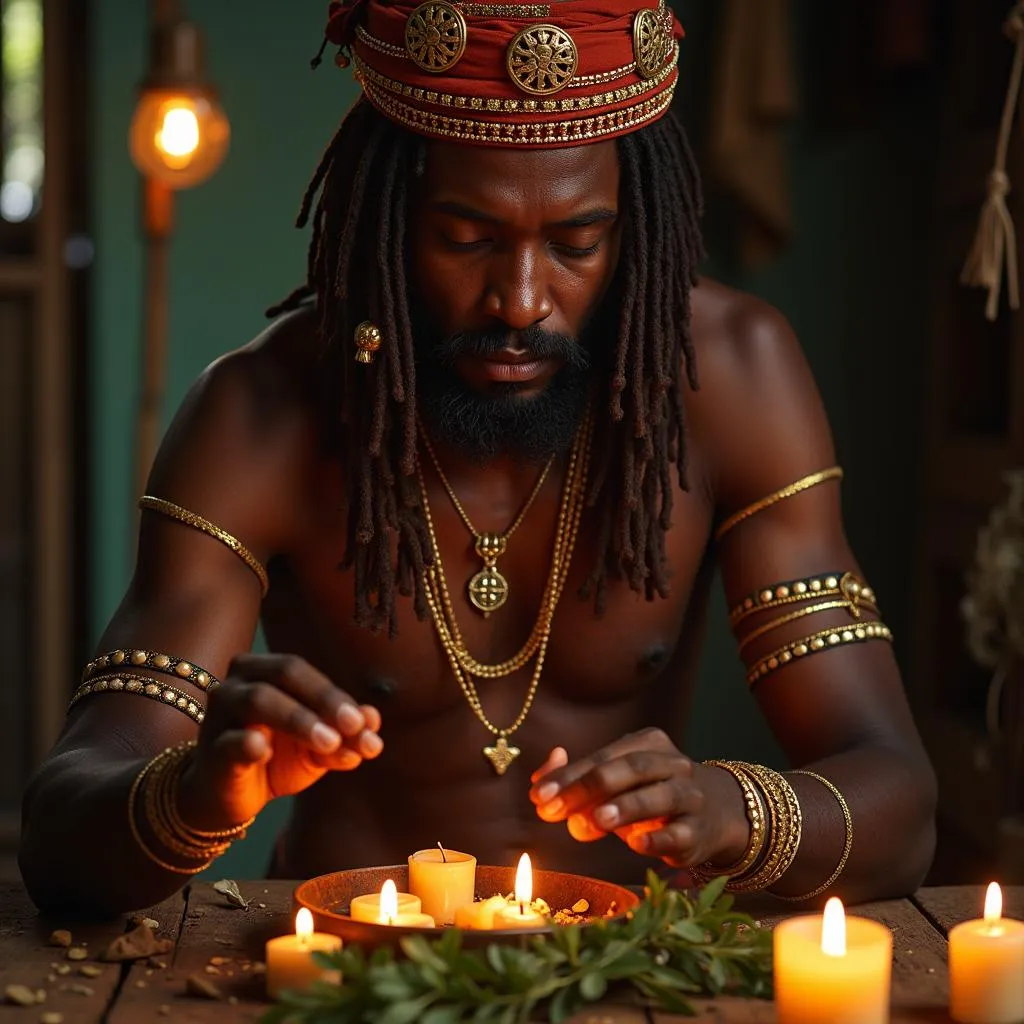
[[690, 931], [593, 987], [406, 1012], [442, 1015], [418, 949], [564, 1005], [711, 892]]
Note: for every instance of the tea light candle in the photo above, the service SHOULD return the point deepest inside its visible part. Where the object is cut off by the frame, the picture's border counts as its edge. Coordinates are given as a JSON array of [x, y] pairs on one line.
[[519, 914], [444, 880], [986, 967], [290, 963], [832, 968], [480, 916], [367, 908], [389, 910]]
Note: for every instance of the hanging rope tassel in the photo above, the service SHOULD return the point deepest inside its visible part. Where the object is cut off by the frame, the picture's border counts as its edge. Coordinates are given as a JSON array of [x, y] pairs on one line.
[[995, 244]]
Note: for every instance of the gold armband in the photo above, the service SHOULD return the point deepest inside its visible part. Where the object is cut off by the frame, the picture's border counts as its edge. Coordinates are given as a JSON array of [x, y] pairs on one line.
[[166, 664], [811, 588], [803, 484], [183, 515], [142, 686]]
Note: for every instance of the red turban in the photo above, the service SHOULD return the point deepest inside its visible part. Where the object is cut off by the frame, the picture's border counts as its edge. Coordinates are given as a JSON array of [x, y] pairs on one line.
[[523, 75]]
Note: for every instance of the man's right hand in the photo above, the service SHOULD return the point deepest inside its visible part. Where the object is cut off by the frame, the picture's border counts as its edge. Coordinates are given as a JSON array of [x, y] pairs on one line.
[[273, 727]]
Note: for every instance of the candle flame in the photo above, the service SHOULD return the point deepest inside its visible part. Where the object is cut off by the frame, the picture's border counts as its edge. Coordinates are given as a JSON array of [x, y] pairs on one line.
[[304, 924], [993, 903], [833, 928], [388, 902], [524, 880]]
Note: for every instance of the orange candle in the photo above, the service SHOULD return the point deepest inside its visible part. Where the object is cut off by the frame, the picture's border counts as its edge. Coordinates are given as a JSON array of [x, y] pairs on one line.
[[832, 968], [367, 908], [290, 963], [519, 913], [479, 916], [986, 967], [390, 912], [444, 880]]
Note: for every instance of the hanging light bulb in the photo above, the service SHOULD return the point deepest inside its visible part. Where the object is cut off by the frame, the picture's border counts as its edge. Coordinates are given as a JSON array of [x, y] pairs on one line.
[[179, 134]]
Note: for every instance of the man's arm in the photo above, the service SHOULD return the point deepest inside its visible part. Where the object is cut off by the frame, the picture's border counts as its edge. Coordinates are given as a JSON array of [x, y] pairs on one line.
[[839, 711], [237, 454]]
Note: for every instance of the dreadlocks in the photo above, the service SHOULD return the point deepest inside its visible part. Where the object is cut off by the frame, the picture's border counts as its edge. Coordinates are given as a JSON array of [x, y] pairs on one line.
[[357, 270]]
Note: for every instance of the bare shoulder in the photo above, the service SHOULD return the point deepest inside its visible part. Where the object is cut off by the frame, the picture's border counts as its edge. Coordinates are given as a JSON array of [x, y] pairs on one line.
[[246, 436], [758, 416]]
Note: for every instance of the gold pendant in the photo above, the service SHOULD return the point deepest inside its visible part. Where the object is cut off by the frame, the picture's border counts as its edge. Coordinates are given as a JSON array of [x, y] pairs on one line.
[[501, 755], [488, 589]]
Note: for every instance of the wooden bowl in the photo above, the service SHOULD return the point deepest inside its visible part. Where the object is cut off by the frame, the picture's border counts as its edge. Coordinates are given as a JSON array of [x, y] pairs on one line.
[[328, 897]]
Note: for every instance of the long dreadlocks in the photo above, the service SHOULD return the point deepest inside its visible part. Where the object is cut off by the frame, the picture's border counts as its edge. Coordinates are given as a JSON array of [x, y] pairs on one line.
[[644, 434]]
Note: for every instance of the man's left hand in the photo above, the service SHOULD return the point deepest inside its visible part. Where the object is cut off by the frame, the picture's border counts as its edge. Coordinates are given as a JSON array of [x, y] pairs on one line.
[[649, 794]]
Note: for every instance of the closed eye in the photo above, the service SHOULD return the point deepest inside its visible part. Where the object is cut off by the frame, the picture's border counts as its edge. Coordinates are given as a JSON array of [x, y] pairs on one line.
[[577, 253]]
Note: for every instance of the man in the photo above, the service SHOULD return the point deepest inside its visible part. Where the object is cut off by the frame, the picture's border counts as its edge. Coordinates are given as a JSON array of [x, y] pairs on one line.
[[476, 496]]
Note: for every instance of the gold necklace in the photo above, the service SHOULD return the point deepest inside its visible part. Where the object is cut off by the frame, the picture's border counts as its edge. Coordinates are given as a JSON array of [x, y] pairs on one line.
[[502, 754], [488, 588]]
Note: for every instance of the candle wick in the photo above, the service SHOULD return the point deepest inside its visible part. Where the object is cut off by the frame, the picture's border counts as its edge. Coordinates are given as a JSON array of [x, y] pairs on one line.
[[443, 857]]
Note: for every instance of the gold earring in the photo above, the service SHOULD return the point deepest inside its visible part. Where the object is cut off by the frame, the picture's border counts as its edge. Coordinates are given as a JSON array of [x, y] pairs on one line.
[[368, 340]]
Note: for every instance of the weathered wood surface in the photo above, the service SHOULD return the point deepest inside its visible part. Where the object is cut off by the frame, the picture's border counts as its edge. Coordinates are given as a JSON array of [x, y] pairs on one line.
[[203, 927]]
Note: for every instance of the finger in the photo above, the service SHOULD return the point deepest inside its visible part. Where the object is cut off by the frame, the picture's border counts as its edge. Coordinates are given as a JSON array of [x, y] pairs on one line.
[[667, 799], [558, 758], [296, 677], [675, 840], [245, 704], [607, 782], [583, 830], [562, 777], [371, 716], [344, 760]]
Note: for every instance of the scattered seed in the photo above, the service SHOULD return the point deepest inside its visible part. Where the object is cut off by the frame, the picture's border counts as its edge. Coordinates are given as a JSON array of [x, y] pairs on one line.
[[262, 906], [51, 1018], [246, 967], [81, 990], [164, 1010], [63, 968], [149, 972], [219, 961], [90, 970], [157, 963], [233, 1000], [580, 907], [259, 967], [20, 995], [197, 985], [40, 995], [77, 953], [51, 978], [61, 937], [140, 984], [153, 926], [931, 970]]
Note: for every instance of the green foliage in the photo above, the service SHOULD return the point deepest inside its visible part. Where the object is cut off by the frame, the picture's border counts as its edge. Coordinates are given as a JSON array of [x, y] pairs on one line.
[[669, 949]]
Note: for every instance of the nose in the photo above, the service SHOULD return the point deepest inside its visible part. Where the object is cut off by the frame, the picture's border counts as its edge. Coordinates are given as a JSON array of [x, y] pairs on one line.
[[517, 292]]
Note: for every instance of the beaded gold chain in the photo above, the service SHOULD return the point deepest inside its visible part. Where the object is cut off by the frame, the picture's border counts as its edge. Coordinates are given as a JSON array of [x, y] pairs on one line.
[[502, 754], [488, 588]]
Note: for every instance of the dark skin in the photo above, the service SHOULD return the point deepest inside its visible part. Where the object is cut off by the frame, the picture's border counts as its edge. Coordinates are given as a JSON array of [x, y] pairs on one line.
[[374, 736]]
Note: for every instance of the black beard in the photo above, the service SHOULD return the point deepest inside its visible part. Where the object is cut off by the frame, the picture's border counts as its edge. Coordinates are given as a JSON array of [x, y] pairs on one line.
[[504, 421]]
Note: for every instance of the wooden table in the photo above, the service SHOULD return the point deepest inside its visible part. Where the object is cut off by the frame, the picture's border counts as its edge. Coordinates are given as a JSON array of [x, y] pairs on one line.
[[202, 926]]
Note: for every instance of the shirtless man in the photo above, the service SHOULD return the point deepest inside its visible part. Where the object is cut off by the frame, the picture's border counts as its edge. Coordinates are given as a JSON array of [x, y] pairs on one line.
[[489, 497]]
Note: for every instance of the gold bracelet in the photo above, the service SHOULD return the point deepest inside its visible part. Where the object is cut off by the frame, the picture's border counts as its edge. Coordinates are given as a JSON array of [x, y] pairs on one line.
[[803, 484], [846, 585], [186, 671], [183, 515], [782, 620], [787, 831], [823, 640], [159, 796], [137, 835], [143, 686], [756, 815], [847, 845]]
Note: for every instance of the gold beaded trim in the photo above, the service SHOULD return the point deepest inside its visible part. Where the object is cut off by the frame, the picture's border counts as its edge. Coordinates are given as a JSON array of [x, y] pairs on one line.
[[845, 585], [816, 642], [197, 522], [790, 490], [847, 845], [507, 12], [600, 77], [508, 106], [126, 682], [800, 613], [388, 49], [577, 130], [165, 663]]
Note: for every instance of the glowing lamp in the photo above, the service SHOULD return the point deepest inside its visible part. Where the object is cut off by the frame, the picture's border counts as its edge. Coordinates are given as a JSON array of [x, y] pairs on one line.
[[179, 133]]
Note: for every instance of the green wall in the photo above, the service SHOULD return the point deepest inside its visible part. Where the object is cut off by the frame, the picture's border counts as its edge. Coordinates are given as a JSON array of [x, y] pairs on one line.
[[853, 284]]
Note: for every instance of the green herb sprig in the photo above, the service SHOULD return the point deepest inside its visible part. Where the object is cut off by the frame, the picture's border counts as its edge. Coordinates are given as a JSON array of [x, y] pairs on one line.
[[669, 949]]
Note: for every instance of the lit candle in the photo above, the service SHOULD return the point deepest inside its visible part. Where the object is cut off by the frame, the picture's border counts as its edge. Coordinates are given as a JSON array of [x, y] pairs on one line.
[[832, 968], [367, 908], [444, 880], [290, 963], [986, 967], [519, 913], [480, 916], [389, 911]]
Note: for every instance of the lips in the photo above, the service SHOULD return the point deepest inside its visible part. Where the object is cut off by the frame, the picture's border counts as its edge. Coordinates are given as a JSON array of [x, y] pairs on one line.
[[509, 366]]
